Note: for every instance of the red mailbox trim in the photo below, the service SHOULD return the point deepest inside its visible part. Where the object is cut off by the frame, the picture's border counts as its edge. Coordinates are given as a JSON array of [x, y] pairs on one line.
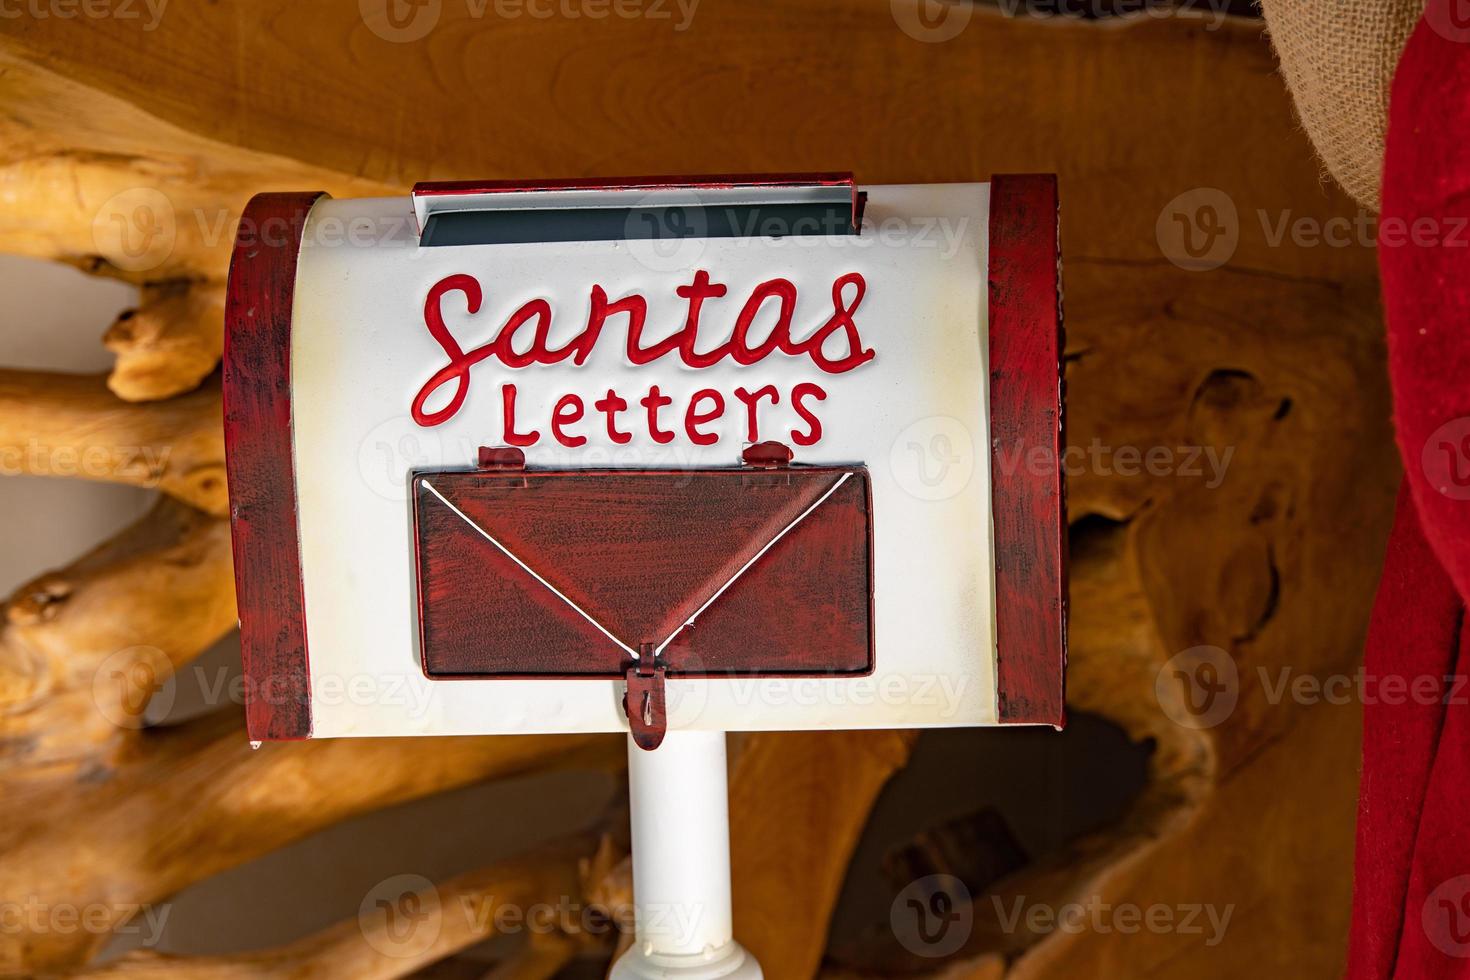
[[260, 465], [1028, 501]]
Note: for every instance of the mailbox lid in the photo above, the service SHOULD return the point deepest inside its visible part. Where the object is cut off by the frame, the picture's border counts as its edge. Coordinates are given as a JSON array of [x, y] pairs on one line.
[[575, 573]]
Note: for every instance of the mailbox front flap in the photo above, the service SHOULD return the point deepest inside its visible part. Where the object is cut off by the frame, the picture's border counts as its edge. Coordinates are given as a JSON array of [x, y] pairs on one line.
[[571, 573]]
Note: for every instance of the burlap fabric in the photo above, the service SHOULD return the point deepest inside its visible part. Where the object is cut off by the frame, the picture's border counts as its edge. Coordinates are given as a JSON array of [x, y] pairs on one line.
[[1338, 57]]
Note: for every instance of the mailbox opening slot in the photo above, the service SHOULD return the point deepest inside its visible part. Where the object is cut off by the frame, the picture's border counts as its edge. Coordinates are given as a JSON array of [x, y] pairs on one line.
[[632, 209]]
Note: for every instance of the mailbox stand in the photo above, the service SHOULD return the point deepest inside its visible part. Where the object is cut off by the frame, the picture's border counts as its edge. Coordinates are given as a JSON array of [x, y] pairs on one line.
[[681, 864]]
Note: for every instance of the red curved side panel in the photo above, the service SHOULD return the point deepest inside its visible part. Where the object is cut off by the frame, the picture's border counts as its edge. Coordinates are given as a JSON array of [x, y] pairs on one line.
[[1028, 493], [260, 466]]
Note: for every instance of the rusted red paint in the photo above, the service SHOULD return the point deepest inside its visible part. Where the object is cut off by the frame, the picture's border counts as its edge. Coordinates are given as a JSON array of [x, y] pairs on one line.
[[1028, 497], [640, 551], [260, 467]]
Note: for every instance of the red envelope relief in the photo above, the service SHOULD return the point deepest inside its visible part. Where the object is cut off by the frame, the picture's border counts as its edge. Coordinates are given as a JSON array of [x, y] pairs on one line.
[[571, 573]]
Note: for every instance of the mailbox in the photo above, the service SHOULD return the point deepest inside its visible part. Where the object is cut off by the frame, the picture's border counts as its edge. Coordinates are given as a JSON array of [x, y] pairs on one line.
[[726, 453]]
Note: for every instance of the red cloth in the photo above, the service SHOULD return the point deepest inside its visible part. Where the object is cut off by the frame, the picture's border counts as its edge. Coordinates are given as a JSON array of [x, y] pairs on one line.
[[1414, 632], [1411, 905]]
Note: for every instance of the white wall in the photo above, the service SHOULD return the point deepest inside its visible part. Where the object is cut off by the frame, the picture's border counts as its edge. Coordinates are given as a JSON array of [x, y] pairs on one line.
[[53, 318]]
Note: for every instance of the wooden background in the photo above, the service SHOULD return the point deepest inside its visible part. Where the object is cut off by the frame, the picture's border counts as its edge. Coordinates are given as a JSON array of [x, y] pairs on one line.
[[129, 150]]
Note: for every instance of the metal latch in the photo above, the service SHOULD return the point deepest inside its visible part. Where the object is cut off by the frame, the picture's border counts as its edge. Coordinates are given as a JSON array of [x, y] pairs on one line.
[[644, 701]]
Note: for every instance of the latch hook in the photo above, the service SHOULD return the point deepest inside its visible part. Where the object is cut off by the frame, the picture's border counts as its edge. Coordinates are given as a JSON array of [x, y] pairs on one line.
[[645, 702]]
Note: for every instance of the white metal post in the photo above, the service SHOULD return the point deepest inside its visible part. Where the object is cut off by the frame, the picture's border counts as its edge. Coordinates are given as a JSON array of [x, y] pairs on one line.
[[681, 864]]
